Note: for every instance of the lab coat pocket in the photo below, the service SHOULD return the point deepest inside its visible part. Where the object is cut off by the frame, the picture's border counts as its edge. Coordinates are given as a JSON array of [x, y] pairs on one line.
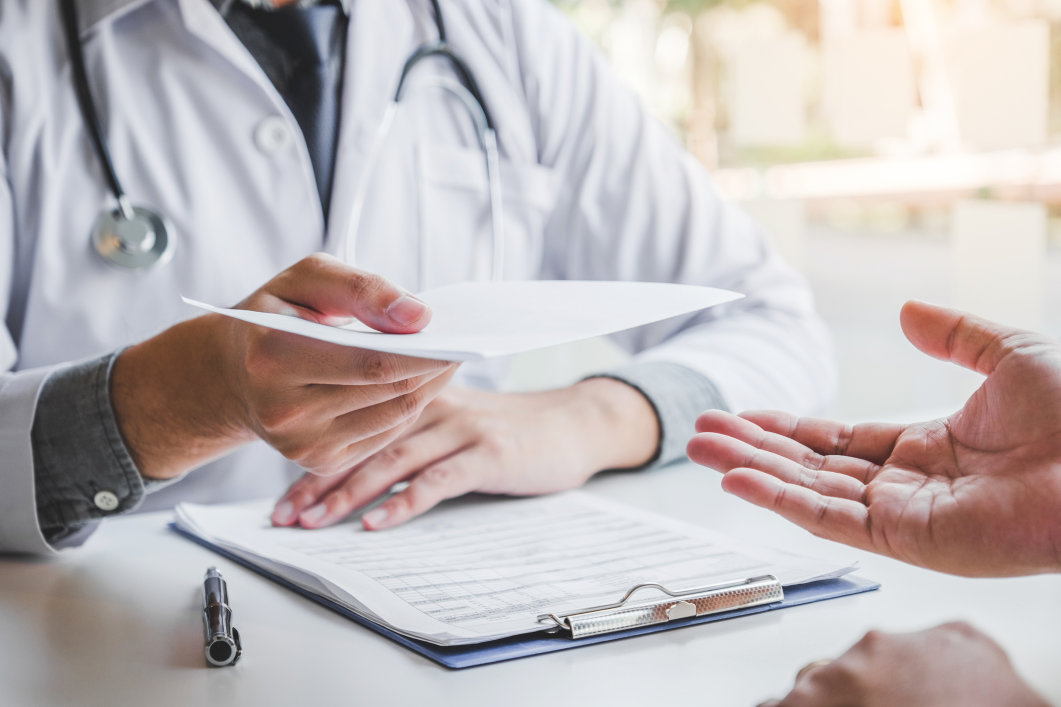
[[457, 220]]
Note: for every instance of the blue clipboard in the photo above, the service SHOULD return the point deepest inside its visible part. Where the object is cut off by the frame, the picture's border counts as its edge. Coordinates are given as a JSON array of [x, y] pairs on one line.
[[471, 655]]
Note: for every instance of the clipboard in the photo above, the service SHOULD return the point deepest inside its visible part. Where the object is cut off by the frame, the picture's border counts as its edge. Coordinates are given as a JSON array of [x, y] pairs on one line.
[[627, 619]]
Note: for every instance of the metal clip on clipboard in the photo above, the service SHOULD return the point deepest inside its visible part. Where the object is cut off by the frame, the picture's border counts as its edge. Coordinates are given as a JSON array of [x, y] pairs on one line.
[[678, 605]]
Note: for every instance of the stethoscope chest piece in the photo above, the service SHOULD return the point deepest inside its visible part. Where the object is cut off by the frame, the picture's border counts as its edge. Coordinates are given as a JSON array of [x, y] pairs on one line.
[[134, 242]]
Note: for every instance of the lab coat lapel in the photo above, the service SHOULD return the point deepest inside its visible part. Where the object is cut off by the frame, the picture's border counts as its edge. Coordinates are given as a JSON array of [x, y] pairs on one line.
[[202, 20]]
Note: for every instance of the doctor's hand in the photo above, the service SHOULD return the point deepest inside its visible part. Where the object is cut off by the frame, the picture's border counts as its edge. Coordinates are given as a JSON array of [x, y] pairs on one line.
[[977, 493], [500, 443], [952, 664], [214, 382]]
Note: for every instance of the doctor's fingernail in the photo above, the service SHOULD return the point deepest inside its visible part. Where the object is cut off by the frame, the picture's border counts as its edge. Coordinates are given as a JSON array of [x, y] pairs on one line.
[[407, 310], [372, 519], [314, 515], [284, 513]]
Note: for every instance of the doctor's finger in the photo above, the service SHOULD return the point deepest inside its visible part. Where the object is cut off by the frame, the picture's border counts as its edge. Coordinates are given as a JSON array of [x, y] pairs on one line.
[[325, 402], [372, 478], [316, 425], [400, 413], [302, 494], [872, 441], [838, 519], [454, 476], [282, 356], [326, 284], [726, 453], [338, 444]]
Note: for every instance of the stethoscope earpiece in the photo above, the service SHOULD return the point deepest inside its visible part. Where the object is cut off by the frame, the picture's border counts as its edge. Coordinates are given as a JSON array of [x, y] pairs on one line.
[[132, 238]]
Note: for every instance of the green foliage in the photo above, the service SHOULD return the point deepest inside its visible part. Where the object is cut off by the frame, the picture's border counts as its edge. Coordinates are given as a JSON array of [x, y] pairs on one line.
[[815, 148], [693, 7]]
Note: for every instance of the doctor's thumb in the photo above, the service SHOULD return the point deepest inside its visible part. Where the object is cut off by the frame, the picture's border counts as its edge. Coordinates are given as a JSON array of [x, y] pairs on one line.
[[408, 311], [339, 291], [384, 306]]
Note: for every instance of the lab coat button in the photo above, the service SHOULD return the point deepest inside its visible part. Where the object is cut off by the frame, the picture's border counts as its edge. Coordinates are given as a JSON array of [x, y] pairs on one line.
[[105, 501], [272, 135]]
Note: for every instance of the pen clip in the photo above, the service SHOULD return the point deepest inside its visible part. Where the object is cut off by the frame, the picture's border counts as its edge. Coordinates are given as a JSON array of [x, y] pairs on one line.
[[239, 645]]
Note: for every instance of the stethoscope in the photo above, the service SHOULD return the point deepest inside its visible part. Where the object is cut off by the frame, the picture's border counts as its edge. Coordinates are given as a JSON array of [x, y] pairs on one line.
[[136, 238], [470, 97]]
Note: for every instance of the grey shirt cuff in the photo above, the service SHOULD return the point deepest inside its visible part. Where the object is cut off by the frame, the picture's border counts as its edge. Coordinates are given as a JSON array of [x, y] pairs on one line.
[[82, 469], [678, 395]]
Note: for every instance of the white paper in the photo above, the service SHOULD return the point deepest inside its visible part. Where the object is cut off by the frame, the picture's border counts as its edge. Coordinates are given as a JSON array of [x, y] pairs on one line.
[[484, 568], [477, 320]]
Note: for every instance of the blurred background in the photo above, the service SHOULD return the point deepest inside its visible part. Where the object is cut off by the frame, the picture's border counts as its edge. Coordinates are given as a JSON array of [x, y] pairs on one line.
[[891, 149]]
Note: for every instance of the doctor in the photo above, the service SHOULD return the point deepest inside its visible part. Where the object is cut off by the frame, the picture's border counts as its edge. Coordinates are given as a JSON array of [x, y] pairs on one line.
[[254, 140]]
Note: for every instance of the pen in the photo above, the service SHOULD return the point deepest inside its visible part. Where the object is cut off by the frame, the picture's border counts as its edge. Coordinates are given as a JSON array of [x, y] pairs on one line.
[[222, 640]]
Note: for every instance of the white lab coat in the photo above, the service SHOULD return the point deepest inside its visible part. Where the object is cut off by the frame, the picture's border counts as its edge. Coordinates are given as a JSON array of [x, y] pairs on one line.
[[593, 189]]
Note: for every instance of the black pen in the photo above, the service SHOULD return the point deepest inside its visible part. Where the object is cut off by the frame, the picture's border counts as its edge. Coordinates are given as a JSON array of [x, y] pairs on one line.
[[222, 640]]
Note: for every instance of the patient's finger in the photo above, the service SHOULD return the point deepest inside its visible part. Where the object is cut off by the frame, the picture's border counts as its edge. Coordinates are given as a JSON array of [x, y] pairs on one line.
[[719, 421], [836, 519], [952, 335], [872, 441], [726, 453], [749, 432]]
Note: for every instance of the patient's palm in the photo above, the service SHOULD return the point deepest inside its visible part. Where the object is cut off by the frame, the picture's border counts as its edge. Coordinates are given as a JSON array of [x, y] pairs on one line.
[[978, 492]]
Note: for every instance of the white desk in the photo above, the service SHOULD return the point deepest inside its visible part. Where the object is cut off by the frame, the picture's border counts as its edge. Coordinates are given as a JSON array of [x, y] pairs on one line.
[[118, 623]]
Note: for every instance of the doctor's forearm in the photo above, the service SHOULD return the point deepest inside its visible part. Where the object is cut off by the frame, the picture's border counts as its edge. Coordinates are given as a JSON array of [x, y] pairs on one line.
[[616, 424], [677, 394], [172, 406]]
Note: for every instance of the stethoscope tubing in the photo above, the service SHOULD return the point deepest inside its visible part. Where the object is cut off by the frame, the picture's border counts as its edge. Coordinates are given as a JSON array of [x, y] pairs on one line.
[[154, 245], [492, 163], [87, 105]]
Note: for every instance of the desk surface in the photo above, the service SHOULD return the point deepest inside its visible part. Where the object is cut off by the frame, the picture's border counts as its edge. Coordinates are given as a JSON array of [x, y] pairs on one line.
[[117, 622]]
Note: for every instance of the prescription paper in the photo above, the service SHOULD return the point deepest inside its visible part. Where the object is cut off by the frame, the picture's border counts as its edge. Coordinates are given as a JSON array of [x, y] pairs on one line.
[[479, 568], [478, 320]]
